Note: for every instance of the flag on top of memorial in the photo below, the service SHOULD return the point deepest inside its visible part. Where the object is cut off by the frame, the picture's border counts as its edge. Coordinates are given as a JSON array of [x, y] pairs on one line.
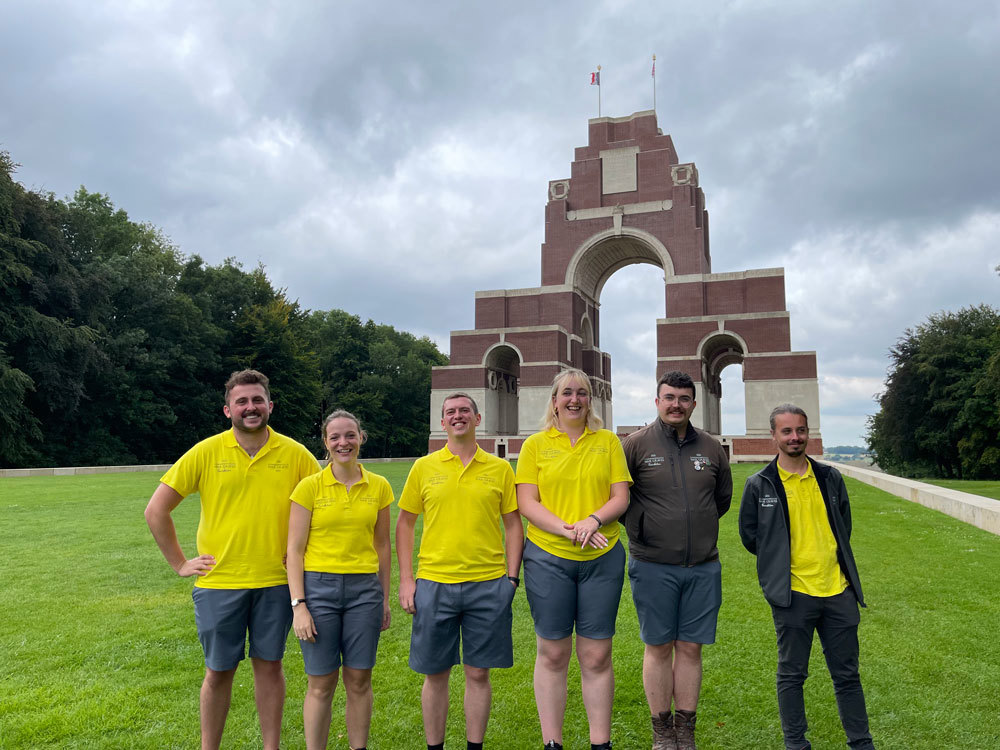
[[595, 79]]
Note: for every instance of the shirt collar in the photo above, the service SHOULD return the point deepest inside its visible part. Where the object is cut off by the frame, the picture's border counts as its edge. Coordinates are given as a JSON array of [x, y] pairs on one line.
[[329, 479], [229, 440], [447, 455], [554, 431], [786, 475]]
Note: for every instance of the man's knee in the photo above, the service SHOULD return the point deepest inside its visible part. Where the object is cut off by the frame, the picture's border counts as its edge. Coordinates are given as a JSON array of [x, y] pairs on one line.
[[477, 676], [688, 651], [438, 680], [219, 679], [660, 652]]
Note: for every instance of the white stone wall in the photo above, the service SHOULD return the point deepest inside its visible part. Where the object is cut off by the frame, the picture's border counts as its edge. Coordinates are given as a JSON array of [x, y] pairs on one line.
[[983, 512], [764, 395]]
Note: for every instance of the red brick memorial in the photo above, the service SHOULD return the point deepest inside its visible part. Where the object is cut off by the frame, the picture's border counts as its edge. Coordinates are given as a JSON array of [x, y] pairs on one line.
[[628, 200]]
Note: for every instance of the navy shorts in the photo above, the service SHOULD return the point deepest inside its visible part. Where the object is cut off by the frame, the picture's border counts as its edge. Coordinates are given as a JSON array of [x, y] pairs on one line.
[[225, 616], [675, 603], [347, 611], [563, 593], [475, 613]]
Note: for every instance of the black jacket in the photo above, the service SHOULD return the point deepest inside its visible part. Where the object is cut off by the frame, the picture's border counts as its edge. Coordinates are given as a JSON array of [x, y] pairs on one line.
[[764, 529], [679, 493]]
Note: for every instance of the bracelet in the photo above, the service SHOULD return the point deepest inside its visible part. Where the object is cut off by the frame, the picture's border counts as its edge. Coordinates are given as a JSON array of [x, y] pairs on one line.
[[600, 523]]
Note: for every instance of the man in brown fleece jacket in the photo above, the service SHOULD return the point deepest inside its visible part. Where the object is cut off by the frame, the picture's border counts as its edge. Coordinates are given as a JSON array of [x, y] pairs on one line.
[[682, 486]]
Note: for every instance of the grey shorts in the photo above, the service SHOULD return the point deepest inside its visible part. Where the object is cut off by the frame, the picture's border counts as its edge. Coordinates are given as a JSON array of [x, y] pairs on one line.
[[675, 603], [477, 613], [564, 592], [225, 616], [347, 611]]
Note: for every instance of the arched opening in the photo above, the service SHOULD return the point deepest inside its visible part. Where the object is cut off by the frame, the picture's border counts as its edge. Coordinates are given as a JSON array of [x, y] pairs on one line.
[[732, 406], [718, 352], [503, 369], [632, 299], [603, 254]]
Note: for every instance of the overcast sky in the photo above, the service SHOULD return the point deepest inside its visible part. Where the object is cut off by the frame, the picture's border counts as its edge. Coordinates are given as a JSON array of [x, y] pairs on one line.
[[391, 158]]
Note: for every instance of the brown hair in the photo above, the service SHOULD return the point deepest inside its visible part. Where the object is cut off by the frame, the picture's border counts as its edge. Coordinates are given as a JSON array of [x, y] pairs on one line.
[[342, 414], [247, 377], [787, 409], [459, 394]]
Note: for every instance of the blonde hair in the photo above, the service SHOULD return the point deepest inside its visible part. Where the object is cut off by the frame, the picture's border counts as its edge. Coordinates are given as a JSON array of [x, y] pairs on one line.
[[551, 419]]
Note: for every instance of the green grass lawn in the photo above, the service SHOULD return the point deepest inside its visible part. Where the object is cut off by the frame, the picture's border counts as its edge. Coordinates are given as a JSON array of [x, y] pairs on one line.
[[98, 646], [984, 487]]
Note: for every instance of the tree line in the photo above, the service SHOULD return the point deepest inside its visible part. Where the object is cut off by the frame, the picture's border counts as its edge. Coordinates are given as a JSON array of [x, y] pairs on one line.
[[114, 345], [939, 415]]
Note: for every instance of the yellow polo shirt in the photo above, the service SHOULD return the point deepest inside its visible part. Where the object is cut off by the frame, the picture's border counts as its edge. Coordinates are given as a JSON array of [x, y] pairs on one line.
[[573, 482], [244, 506], [815, 570], [342, 527], [462, 537]]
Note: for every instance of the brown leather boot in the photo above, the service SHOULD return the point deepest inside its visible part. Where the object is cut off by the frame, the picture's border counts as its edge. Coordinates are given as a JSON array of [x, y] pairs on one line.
[[663, 732], [684, 728]]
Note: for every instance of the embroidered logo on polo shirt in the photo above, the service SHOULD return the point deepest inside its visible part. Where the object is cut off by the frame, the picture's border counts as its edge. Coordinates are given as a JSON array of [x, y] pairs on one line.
[[436, 479], [653, 460], [277, 466], [550, 452], [368, 499], [487, 479], [224, 466], [599, 449], [768, 501]]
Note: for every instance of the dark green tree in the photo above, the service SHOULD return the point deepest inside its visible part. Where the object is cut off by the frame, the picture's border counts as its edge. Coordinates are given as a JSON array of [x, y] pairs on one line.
[[114, 346], [939, 415]]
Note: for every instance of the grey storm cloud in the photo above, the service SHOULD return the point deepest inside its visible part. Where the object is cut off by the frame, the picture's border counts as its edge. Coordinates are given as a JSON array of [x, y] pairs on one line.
[[392, 158]]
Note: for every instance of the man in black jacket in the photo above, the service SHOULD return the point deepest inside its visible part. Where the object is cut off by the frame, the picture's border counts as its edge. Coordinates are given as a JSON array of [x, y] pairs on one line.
[[796, 518], [682, 485]]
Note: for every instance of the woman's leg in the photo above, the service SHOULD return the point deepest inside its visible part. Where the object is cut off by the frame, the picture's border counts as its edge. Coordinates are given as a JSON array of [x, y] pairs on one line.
[[551, 666], [597, 680], [316, 709], [358, 714]]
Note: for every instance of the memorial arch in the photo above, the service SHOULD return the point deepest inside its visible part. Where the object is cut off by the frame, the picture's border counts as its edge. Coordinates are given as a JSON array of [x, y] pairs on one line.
[[628, 200]]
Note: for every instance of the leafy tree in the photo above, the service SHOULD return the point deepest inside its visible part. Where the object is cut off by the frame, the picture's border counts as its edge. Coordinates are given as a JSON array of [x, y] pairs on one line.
[[114, 345], [381, 375], [940, 412]]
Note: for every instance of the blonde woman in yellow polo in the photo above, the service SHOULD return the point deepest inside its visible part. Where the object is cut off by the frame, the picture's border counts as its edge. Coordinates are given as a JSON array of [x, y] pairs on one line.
[[572, 485], [338, 578]]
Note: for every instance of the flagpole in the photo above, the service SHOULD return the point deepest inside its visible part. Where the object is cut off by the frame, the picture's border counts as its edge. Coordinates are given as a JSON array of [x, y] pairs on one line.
[[654, 84]]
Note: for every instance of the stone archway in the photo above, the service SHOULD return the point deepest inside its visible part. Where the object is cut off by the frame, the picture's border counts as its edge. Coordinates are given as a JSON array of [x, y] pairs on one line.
[[503, 368], [716, 352], [628, 200]]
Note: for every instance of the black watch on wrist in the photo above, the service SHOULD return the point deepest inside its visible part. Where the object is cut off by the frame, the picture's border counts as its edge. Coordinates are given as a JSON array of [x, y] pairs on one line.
[[515, 580]]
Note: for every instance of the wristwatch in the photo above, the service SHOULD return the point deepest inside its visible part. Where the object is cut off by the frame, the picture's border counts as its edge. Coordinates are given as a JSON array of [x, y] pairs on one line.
[[297, 602], [515, 580]]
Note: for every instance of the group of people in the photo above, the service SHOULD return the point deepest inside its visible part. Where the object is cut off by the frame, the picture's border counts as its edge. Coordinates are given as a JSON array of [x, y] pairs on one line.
[[285, 545]]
